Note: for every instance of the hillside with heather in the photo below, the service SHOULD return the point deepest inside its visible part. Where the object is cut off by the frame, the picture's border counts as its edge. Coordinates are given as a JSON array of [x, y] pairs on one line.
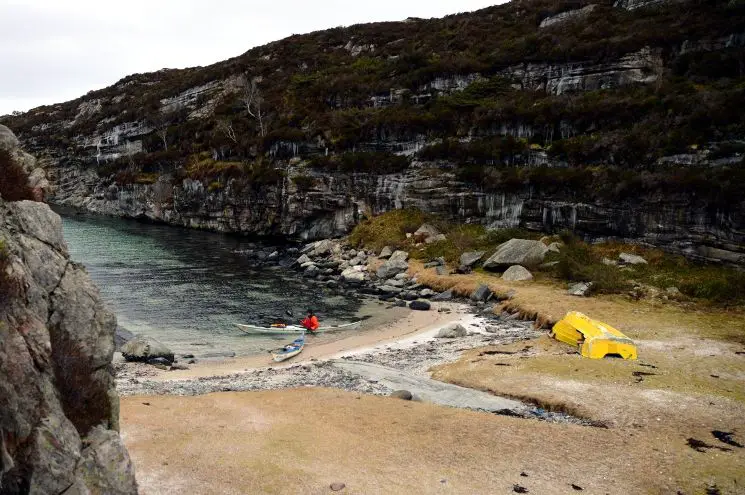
[[614, 119]]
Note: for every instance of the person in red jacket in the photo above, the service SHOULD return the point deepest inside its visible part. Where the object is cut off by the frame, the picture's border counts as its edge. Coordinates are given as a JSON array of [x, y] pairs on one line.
[[310, 322]]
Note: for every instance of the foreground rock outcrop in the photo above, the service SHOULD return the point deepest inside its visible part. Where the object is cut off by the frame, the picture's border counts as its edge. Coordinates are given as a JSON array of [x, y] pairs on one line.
[[59, 410]]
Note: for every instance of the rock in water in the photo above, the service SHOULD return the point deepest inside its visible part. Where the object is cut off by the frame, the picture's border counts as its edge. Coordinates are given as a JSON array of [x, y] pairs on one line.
[[482, 294], [471, 258], [517, 273], [60, 410], [402, 394], [452, 331], [143, 348], [517, 252], [420, 305]]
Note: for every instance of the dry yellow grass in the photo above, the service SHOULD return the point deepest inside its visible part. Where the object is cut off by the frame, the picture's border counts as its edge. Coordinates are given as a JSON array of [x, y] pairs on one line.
[[301, 441], [689, 380]]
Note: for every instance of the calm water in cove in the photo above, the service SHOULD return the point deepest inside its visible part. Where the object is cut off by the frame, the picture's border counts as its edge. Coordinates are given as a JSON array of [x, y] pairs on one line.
[[188, 288]]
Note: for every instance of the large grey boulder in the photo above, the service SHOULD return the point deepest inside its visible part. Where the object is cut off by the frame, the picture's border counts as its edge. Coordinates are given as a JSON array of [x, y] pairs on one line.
[[59, 412], [471, 258], [517, 273], [394, 265], [143, 348], [399, 256], [517, 252]]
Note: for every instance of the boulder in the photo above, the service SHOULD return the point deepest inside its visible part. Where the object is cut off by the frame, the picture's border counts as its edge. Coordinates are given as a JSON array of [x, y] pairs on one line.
[[402, 276], [432, 264], [442, 270], [426, 293], [311, 271], [425, 232], [409, 295], [323, 248], [143, 348], [159, 360], [471, 258], [420, 305], [435, 238], [482, 294], [517, 252], [517, 273], [8, 140], [463, 269], [444, 296], [121, 337], [452, 331], [303, 260], [390, 289], [631, 259], [399, 256], [402, 394], [392, 267], [555, 247], [354, 274], [581, 289]]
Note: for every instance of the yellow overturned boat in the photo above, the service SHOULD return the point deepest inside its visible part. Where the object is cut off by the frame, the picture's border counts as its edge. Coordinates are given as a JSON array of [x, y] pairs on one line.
[[594, 338]]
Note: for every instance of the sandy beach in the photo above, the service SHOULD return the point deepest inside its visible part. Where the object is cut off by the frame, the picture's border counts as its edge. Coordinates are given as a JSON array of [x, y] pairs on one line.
[[400, 325]]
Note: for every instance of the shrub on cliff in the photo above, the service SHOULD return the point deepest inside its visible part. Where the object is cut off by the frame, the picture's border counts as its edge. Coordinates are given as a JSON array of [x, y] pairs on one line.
[[375, 163], [13, 179]]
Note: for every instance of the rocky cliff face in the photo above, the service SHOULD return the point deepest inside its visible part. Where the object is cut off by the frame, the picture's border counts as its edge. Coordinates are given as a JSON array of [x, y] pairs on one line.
[[59, 410], [331, 206]]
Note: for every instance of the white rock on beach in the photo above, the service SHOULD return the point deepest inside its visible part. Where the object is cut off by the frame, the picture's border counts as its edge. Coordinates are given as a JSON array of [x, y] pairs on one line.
[[517, 273]]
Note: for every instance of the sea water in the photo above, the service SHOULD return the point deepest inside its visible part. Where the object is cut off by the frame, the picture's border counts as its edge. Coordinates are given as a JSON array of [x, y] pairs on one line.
[[189, 288]]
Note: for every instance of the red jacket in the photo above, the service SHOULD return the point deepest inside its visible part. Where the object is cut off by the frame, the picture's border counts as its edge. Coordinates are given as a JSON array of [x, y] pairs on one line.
[[311, 323]]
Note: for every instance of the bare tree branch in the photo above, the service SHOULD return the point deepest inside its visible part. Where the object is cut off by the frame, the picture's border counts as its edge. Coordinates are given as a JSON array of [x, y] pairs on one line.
[[254, 102], [226, 127]]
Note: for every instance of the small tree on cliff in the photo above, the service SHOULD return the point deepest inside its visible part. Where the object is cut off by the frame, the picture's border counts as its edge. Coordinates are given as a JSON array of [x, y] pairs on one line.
[[253, 101]]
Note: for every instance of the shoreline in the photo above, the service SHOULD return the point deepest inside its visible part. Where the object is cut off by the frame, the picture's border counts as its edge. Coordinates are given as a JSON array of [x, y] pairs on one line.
[[409, 345]]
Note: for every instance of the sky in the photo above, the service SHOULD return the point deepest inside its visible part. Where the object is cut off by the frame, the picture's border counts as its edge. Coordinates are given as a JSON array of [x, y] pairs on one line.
[[53, 51]]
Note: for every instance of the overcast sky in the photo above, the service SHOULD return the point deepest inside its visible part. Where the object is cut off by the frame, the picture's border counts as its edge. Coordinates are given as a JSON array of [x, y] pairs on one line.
[[53, 51]]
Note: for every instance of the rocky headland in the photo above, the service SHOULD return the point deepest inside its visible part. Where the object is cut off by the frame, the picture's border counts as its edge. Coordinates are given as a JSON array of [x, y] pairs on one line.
[[59, 409]]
